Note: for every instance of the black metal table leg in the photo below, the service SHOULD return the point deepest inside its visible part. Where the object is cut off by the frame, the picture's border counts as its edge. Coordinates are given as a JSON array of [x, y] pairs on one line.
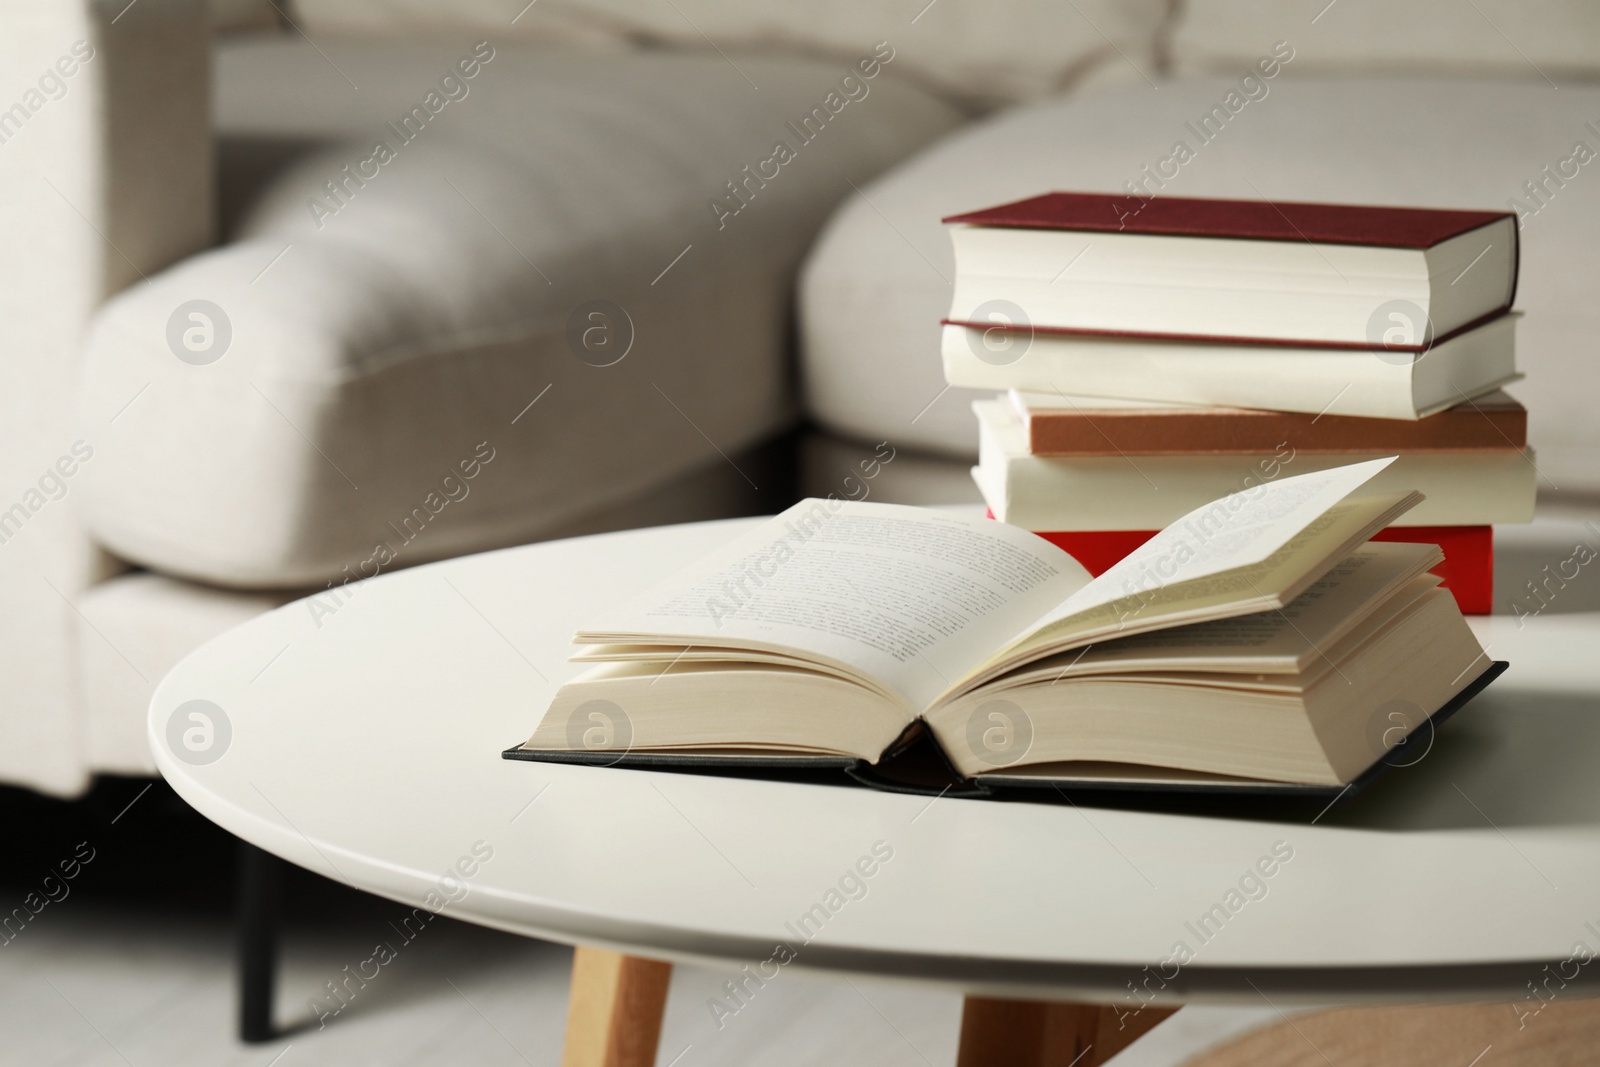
[[260, 886]]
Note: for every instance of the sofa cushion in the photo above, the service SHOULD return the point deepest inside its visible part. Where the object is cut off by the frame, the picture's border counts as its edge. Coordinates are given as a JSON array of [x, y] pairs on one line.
[[130, 631], [858, 470], [242, 16], [877, 282], [544, 302], [984, 52], [1516, 38]]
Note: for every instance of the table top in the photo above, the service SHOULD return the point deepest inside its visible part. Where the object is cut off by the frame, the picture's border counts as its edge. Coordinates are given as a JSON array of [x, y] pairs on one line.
[[360, 736]]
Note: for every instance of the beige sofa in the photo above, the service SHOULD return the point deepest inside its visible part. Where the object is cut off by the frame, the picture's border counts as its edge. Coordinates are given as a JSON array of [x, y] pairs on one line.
[[250, 355], [593, 173]]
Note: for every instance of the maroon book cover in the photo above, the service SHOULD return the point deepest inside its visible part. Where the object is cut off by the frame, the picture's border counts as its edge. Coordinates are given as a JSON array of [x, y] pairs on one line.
[[1260, 220]]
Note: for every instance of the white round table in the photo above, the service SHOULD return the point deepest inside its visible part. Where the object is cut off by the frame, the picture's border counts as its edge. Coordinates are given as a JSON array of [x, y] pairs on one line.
[[362, 740]]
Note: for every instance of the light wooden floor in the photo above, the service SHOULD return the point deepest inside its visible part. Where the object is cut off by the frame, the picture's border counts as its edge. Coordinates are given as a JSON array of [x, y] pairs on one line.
[[88, 984]]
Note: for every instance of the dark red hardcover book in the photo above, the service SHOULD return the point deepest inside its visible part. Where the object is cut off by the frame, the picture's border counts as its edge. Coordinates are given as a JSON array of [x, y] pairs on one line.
[[1260, 220], [1467, 570], [1468, 567]]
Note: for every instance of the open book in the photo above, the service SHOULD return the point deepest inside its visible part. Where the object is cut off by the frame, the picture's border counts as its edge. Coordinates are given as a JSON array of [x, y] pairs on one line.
[[1259, 640]]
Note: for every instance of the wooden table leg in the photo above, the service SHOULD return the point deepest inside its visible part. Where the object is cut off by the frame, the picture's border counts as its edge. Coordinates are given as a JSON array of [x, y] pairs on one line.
[[614, 1010], [1034, 1033]]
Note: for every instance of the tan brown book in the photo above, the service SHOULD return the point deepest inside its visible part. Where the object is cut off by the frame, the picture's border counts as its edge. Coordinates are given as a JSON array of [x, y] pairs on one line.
[[1058, 425]]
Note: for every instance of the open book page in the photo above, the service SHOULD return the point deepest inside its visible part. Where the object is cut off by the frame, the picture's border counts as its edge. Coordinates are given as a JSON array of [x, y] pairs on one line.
[[1378, 578], [1236, 531], [1249, 551], [905, 597]]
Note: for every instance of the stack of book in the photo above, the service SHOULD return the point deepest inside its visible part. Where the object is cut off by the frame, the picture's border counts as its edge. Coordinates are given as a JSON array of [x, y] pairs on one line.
[[1158, 354]]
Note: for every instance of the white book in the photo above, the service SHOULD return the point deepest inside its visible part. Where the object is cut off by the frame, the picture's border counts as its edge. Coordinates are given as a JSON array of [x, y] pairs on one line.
[[1287, 290], [1049, 493], [1376, 384]]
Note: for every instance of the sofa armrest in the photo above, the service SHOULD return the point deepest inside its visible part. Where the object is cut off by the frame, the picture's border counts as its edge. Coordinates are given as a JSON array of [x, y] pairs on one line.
[[105, 176], [107, 115]]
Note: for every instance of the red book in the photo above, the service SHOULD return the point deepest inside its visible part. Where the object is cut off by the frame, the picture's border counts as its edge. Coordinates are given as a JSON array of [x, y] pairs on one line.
[[1258, 220], [1467, 570]]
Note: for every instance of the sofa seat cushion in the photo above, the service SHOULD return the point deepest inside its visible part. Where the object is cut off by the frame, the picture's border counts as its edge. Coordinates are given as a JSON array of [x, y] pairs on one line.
[[1503, 38], [130, 631], [461, 311], [877, 283]]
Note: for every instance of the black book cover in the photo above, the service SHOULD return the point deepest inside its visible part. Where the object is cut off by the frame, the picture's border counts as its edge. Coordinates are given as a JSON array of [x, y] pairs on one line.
[[916, 764]]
